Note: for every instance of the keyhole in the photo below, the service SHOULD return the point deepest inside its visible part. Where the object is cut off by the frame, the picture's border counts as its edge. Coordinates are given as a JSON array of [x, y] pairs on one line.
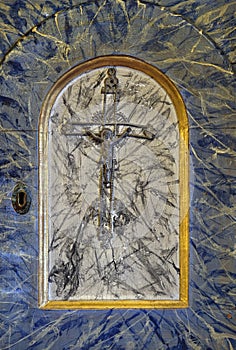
[[22, 199]]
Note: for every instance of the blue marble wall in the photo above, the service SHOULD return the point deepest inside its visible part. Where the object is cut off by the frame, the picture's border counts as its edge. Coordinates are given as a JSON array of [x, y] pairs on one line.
[[193, 43]]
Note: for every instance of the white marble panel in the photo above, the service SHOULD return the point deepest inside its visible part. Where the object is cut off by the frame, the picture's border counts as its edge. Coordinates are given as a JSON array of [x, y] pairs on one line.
[[113, 178]]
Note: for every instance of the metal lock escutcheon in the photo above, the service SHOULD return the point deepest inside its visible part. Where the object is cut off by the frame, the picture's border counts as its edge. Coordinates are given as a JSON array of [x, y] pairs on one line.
[[21, 198]]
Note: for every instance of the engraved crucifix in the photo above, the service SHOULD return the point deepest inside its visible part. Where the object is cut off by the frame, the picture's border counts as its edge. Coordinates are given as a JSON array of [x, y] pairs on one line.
[[110, 137]]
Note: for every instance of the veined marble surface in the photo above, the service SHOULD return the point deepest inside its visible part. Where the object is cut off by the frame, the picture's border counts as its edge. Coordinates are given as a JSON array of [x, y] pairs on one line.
[[113, 188], [193, 43]]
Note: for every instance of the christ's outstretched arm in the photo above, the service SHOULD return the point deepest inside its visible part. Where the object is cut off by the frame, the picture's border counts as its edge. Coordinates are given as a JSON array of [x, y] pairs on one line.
[[94, 136]]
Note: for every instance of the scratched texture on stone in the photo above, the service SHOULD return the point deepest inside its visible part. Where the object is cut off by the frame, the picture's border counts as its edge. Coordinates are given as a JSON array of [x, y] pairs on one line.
[[192, 42], [113, 183]]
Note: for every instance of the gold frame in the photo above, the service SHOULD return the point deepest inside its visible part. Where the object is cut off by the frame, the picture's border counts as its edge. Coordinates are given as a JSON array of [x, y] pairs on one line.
[[176, 98]]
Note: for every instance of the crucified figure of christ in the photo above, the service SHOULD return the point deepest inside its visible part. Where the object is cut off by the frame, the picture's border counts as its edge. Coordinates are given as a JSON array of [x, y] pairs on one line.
[[108, 141], [111, 136]]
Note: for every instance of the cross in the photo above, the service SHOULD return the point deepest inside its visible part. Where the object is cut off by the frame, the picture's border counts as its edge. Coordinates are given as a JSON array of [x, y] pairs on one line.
[[109, 138]]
